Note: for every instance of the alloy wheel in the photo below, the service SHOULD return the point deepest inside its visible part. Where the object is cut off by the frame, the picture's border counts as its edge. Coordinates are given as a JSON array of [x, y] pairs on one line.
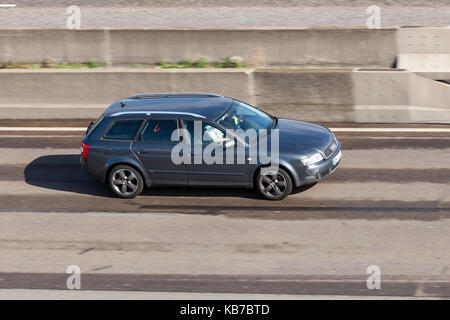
[[272, 184], [125, 182]]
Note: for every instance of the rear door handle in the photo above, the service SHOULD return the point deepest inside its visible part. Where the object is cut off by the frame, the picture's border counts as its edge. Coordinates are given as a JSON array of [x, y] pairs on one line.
[[142, 151]]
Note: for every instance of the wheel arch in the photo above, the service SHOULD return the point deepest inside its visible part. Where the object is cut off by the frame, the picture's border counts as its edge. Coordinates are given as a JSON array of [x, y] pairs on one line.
[[285, 166], [124, 161]]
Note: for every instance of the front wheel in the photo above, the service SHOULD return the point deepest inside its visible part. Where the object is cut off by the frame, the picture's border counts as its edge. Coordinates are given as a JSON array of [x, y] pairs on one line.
[[125, 181], [274, 184]]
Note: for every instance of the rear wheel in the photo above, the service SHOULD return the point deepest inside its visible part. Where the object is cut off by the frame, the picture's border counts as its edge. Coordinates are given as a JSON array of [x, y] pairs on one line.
[[126, 181], [274, 184]]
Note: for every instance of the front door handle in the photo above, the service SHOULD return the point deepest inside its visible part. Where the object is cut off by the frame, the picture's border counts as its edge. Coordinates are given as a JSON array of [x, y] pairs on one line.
[[142, 151]]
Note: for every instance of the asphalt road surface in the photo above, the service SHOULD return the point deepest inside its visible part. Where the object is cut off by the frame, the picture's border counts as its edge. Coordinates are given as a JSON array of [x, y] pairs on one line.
[[235, 13], [388, 205]]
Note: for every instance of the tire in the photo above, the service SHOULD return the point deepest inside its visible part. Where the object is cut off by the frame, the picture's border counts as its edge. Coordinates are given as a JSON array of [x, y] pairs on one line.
[[125, 181], [274, 185]]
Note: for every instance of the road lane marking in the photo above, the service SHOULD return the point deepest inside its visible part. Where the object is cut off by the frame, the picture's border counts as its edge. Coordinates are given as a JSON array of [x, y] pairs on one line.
[[32, 294], [42, 129], [8, 5], [39, 136], [26, 155], [413, 158], [373, 191], [346, 137], [419, 130], [396, 159], [201, 243], [93, 213]]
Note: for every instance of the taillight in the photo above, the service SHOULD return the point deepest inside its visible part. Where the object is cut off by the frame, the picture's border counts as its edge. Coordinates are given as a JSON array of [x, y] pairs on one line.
[[84, 150]]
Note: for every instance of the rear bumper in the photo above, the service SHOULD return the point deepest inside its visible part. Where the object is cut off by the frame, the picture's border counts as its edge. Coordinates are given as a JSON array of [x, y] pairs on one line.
[[85, 168], [322, 169]]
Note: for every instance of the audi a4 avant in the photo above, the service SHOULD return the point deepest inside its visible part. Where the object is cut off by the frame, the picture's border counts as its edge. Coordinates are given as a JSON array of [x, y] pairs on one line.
[[199, 139]]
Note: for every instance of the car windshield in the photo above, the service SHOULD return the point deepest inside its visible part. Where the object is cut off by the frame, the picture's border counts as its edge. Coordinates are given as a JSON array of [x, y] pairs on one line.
[[245, 117]]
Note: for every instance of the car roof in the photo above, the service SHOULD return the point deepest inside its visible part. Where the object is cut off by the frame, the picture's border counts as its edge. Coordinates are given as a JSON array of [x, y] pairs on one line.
[[203, 105]]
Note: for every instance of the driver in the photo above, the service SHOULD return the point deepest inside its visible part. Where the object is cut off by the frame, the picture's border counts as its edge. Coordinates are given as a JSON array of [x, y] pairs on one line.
[[213, 134], [232, 121]]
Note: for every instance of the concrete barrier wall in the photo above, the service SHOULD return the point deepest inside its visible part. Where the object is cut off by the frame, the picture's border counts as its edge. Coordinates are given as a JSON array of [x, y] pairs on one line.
[[58, 45], [381, 87], [272, 46], [97, 86], [399, 96], [424, 49], [423, 40], [400, 88], [428, 62], [102, 86], [55, 93], [303, 87], [429, 93], [314, 95], [229, 3]]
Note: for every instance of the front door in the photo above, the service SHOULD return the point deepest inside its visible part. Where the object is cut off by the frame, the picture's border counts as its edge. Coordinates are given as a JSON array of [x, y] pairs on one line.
[[200, 172]]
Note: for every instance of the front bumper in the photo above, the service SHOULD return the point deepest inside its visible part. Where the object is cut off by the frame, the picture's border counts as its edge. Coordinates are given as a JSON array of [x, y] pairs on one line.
[[321, 169]]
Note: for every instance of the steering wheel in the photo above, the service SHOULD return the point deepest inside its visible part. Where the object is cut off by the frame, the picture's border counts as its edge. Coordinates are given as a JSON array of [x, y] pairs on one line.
[[238, 119]]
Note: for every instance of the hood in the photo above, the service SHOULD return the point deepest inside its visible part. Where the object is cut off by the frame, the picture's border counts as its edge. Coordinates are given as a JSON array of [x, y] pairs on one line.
[[298, 136]]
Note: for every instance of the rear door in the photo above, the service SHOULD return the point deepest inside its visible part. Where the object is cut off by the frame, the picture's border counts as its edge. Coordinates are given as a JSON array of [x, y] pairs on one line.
[[153, 148]]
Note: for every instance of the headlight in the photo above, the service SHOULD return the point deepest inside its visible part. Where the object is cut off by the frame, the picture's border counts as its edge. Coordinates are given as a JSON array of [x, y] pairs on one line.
[[312, 159]]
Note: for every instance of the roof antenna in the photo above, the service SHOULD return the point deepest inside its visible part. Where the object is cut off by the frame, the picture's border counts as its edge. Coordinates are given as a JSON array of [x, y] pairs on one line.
[[122, 104]]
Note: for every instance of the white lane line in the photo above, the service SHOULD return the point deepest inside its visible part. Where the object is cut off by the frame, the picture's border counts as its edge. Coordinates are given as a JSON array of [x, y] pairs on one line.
[[331, 191], [19, 156], [51, 136], [90, 213], [42, 129], [38, 294], [413, 158], [8, 5], [424, 130], [355, 137]]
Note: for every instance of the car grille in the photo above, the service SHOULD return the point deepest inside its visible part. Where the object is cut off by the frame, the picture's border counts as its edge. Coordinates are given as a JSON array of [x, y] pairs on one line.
[[330, 148]]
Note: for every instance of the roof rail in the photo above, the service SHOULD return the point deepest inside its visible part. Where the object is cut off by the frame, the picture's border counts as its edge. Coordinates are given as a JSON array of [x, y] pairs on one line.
[[174, 95], [148, 113]]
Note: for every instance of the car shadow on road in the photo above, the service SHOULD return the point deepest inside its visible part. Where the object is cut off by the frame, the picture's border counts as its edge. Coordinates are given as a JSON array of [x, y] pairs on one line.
[[63, 173]]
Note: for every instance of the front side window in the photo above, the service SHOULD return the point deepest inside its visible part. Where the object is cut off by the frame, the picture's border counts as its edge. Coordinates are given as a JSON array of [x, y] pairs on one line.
[[160, 131], [243, 116], [123, 130], [199, 132]]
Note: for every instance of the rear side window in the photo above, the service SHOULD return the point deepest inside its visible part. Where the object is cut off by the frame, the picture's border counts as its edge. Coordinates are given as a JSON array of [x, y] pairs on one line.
[[123, 130], [159, 131]]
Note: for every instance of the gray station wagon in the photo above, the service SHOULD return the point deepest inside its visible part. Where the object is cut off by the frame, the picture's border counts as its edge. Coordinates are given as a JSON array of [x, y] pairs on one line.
[[152, 140]]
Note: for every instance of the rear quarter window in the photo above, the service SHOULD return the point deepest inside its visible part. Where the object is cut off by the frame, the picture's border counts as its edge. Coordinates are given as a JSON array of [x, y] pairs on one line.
[[93, 125], [123, 130]]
